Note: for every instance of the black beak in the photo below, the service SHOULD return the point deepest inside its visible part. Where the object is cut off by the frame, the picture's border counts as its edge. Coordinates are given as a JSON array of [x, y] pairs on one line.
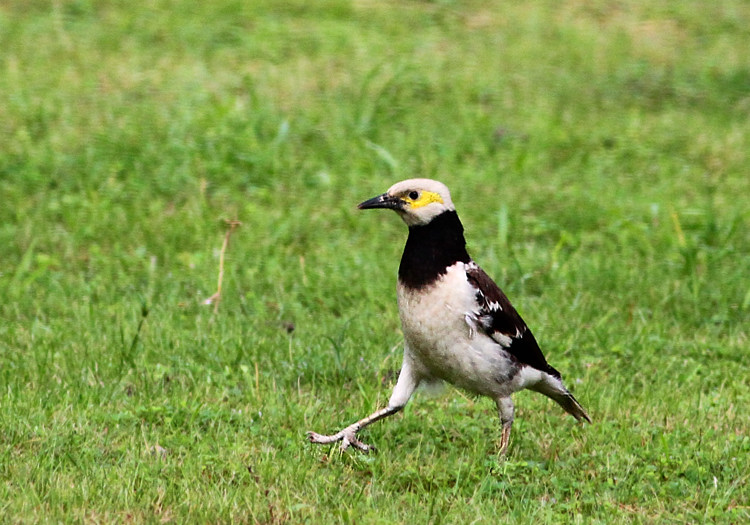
[[382, 201]]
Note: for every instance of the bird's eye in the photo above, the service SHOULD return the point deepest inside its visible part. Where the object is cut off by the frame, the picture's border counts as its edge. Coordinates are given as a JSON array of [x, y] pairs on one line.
[[413, 195]]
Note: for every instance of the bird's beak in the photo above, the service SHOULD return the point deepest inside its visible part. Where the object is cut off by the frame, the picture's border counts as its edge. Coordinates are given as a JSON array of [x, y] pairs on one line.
[[382, 201]]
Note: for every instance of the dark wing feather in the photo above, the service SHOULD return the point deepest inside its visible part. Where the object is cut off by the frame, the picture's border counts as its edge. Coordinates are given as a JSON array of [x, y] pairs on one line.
[[497, 318]]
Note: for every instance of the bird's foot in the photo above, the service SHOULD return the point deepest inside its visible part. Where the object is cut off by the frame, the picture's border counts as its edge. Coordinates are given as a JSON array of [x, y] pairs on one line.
[[348, 436]]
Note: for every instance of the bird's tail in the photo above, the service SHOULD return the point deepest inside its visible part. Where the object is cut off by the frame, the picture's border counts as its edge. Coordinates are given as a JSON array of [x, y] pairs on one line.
[[553, 388]]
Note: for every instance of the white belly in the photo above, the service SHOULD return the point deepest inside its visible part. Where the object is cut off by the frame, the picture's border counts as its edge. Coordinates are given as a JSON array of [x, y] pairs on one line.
[[443, 345]]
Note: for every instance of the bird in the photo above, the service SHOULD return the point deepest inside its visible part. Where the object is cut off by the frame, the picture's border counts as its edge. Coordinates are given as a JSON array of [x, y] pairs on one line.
[[458, 325]]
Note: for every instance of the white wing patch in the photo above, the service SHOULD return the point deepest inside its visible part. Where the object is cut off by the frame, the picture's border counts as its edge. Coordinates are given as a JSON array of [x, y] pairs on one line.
[[495, 316], [471, 322], [483, 317], [477, 322], [495, 306], [502, 339]]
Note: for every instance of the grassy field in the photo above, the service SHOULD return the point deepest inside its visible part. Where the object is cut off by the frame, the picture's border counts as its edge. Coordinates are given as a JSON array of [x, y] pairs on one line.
[[597, 153]]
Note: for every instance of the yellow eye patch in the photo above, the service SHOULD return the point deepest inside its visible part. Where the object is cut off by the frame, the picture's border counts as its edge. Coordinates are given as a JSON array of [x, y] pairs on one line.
[[425, 198]]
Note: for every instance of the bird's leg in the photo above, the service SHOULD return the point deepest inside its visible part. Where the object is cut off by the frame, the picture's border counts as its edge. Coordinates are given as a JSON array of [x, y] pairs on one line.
[[348, 435], [405, 386], [506, 410]]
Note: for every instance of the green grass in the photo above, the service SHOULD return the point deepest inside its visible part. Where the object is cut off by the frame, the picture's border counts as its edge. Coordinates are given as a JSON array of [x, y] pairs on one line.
[[597, 153]]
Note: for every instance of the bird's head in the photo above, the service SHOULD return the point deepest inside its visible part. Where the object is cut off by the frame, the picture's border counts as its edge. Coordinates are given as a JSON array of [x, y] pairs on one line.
[[417, 201]]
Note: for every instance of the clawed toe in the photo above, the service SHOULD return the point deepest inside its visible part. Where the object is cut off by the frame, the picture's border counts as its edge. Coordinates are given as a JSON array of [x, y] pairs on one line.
[[320, 439], [347, 437], [356, 443]]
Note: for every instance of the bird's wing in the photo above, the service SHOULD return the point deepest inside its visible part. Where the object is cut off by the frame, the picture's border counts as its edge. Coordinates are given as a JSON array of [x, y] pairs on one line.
[[497, 318]]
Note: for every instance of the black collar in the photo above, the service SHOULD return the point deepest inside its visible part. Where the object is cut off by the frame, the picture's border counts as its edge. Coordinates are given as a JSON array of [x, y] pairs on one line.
[[431, 249]]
